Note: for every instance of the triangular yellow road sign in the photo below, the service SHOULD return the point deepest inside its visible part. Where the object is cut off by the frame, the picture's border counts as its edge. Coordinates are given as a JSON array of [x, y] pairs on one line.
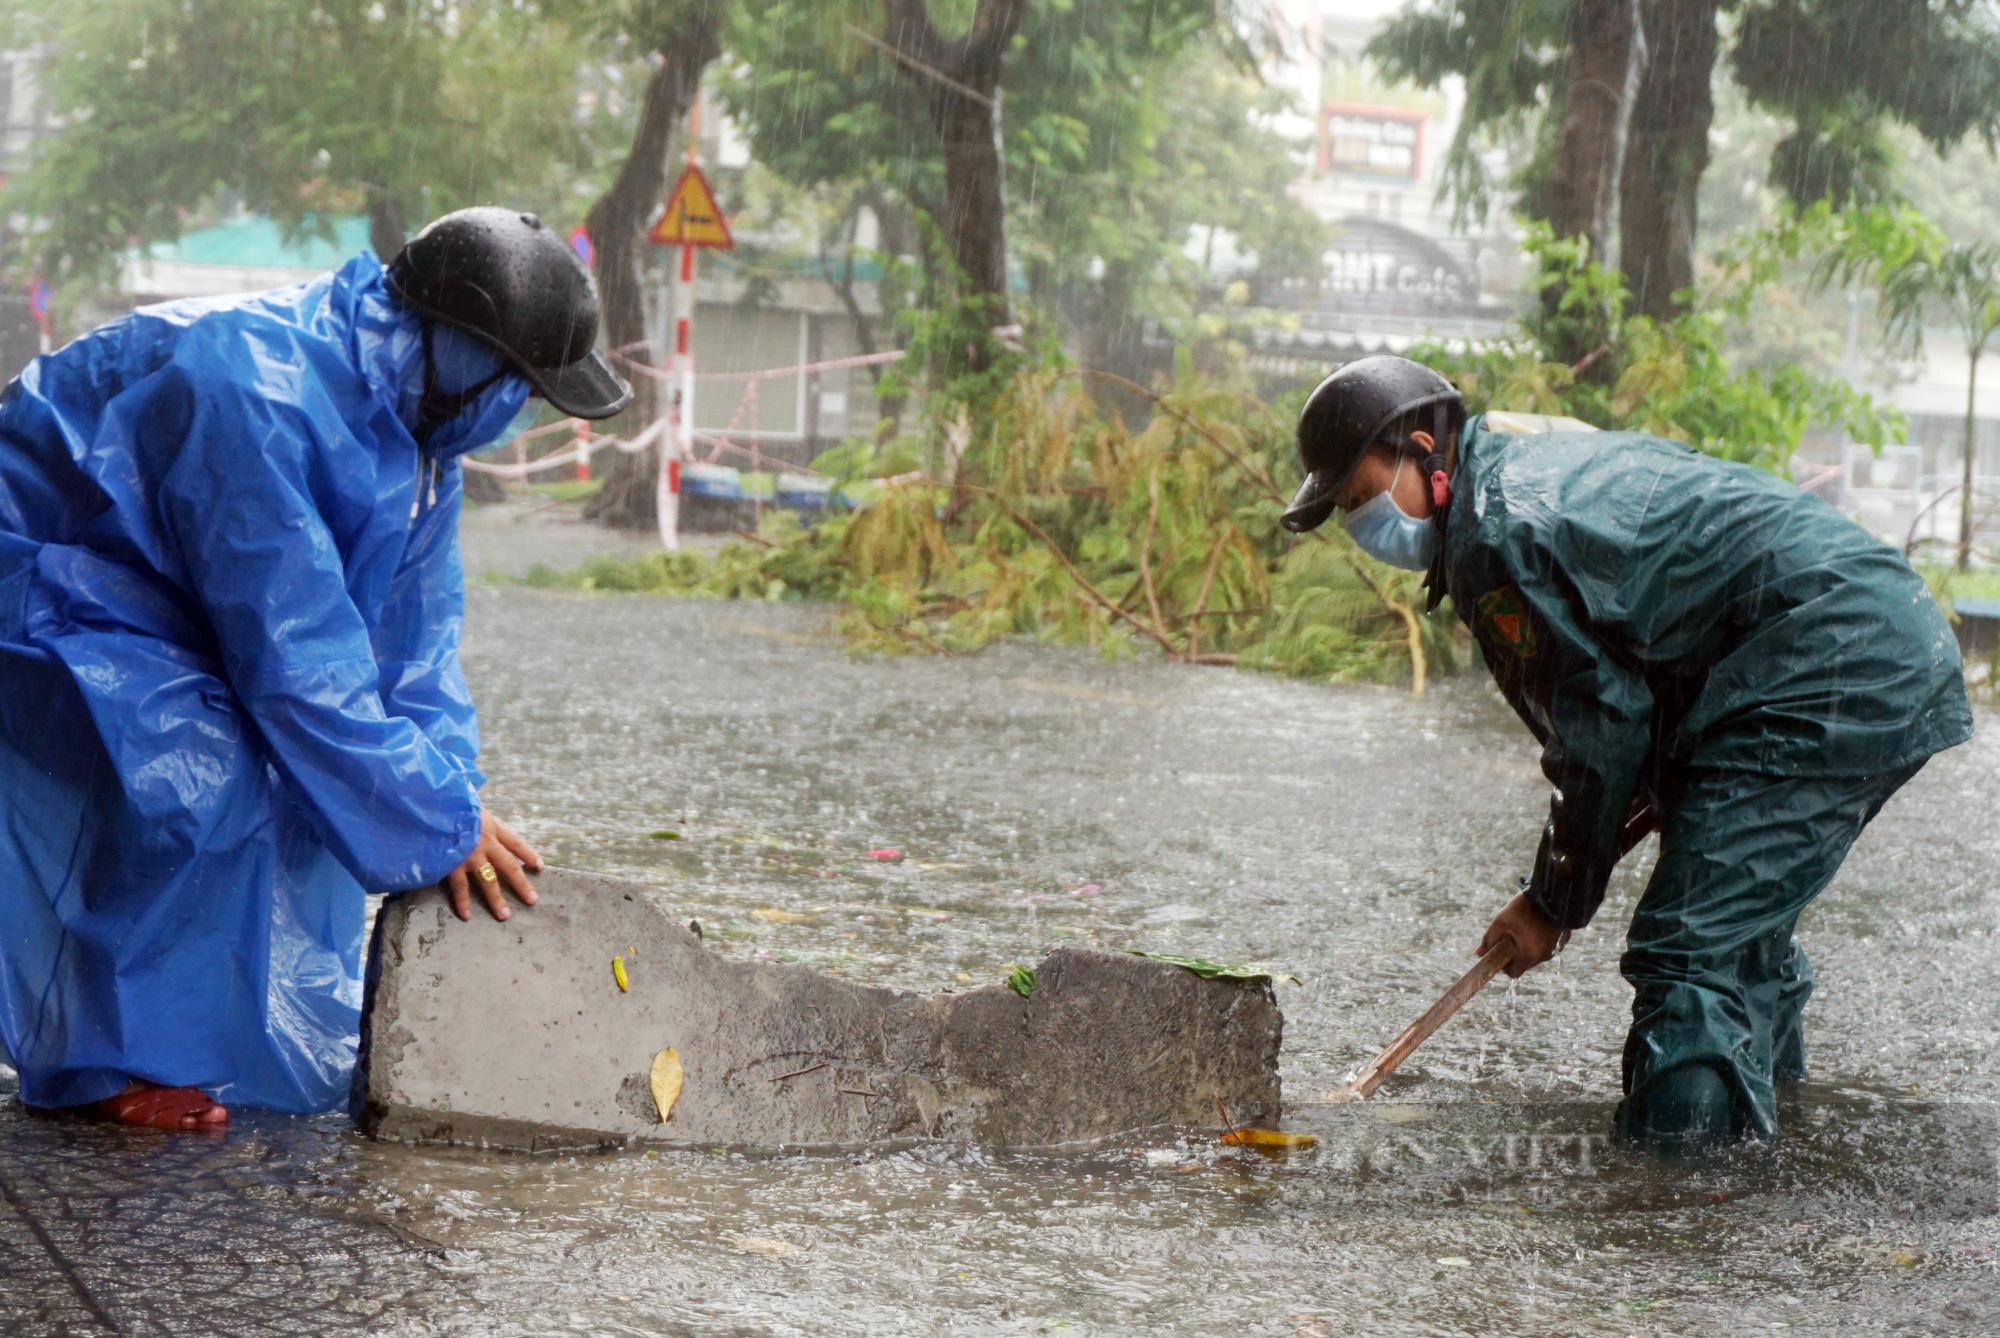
[[692, 217]]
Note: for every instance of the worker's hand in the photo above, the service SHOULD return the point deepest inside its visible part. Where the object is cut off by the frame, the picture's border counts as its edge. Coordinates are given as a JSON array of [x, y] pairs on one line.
[[496, 862], [1535, 939]]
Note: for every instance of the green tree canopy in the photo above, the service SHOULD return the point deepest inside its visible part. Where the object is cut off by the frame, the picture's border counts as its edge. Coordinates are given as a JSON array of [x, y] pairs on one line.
[[1123, 127], [1839, 70], [300, 109]]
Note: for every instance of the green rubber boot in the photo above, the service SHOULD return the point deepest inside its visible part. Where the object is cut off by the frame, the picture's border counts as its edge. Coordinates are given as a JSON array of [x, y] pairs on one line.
[[1683, 1112]]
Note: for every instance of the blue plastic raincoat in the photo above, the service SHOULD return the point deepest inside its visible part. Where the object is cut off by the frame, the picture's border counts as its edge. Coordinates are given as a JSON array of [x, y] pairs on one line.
[[230, 697]]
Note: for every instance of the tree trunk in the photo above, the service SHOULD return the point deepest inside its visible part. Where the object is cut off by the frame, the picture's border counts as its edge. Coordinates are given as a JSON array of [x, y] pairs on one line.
[[385, 224], [617, 224], [1607, 58], [1965, 484], [961, 80], [975, 193], [1666, 155]]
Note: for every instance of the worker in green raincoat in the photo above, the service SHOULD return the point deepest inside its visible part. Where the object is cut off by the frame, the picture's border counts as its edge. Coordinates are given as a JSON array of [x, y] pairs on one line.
[[1694, 643]]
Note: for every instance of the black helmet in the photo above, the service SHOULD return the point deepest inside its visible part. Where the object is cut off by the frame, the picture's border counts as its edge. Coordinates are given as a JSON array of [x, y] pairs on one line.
[[508, 279], [1348, 413]]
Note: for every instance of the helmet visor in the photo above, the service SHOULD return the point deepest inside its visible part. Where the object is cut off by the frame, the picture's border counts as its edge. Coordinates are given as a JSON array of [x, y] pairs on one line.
[[1313, 502], [586, 388]]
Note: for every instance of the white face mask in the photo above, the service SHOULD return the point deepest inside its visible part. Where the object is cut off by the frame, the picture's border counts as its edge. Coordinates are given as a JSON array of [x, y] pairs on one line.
[[1390, 534]]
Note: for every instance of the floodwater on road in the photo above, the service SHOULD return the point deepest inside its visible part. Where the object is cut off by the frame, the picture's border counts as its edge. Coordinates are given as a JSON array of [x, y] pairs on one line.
[[1349, 836]]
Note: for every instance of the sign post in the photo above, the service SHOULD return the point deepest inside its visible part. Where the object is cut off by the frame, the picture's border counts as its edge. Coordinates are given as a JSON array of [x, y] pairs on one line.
[[691, 221]]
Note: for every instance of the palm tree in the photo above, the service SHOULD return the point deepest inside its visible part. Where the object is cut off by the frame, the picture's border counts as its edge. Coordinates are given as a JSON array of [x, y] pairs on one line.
[[1963, 281]]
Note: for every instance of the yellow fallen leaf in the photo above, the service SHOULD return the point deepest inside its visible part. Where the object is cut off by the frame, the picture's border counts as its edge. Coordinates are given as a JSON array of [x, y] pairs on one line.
[[764, 1245], [618, 974], [779, 917], [1268, 1138], [666, 1079]]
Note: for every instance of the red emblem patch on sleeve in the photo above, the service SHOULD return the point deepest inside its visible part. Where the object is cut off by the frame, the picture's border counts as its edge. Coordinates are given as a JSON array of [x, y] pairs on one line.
[[1504, 620]]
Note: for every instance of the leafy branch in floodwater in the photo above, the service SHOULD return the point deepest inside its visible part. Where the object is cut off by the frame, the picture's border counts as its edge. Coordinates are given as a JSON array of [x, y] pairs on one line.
[[1051, 519]]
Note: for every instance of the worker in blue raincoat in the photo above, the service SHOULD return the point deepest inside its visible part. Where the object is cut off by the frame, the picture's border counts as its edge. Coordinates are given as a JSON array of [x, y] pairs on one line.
[[230, 695], [1698, 646]]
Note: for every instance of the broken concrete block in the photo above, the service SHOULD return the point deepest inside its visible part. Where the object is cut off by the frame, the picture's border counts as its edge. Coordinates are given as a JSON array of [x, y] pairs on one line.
[[519, 1034]]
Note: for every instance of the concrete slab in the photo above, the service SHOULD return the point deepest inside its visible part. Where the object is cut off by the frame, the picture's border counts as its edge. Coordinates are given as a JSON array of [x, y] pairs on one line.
[[518, 1035]]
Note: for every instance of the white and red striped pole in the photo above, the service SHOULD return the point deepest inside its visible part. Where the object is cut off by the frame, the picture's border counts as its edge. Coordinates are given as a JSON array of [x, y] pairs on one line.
[[673, 442], [667, 498], [681, 447]]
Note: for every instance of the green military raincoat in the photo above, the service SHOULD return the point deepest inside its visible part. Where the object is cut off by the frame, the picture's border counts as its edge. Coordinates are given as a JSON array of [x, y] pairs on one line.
[[1691, 631]]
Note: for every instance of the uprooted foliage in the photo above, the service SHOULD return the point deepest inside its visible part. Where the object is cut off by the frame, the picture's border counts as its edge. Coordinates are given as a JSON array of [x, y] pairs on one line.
[[1060, 523]]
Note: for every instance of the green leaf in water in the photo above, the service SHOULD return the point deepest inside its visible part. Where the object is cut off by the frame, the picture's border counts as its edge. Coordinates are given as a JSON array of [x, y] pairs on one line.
[[664, 836], [1209, 970], [1021, 980]]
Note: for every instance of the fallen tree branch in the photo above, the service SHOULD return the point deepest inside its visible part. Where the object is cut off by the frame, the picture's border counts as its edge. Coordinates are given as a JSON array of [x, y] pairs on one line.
[[1083, 582], [1412, 626], [1146, 543], [1201, 599], [1413, 630], [1255, 472]]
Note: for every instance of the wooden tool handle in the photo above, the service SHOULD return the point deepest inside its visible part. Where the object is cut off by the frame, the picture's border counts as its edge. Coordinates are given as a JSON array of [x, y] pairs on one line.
[[1370, 1077]]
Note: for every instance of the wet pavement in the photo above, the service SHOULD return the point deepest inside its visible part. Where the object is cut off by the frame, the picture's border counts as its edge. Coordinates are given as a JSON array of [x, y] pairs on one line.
[[1347, 835]]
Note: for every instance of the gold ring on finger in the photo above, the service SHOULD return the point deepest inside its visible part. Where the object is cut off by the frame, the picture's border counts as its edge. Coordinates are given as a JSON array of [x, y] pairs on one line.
[[487, 874]]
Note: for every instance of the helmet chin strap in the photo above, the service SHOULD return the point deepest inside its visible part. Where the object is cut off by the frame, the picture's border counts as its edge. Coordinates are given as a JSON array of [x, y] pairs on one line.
[[1433, 462], [436, 406]]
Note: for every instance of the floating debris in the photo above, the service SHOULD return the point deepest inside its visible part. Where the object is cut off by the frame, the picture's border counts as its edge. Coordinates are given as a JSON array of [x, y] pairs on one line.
[[764, 1245], [1275, 1140], [618, 974], [886, 855]]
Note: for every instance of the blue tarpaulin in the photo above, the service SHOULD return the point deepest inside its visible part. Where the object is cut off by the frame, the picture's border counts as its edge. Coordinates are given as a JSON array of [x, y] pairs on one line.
[[230, 698]]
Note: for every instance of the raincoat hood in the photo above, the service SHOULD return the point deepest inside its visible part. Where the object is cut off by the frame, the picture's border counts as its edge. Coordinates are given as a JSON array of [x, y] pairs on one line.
[[387, 345]]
